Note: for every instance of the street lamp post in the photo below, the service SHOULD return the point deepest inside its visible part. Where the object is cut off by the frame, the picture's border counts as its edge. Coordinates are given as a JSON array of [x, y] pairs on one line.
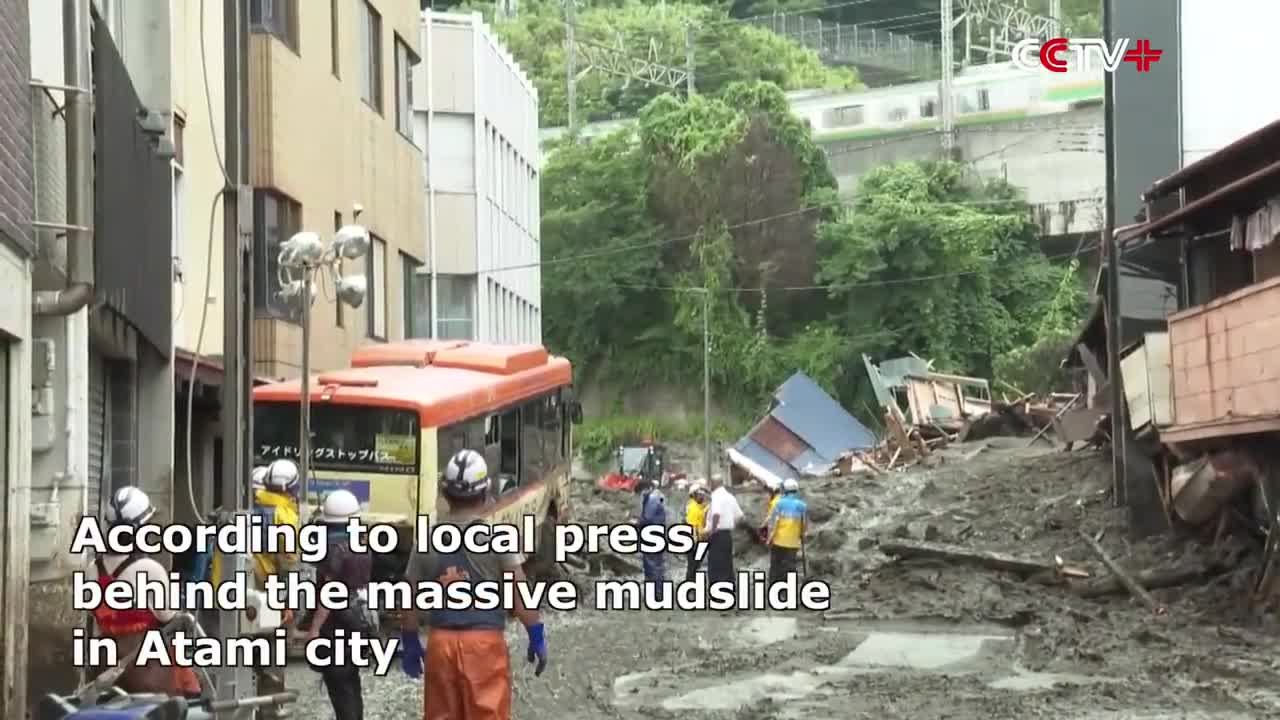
[[301, 258]]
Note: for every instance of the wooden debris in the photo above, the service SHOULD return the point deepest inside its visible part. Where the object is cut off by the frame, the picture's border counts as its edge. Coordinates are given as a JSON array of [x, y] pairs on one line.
[[1123, 577], [1066, 570], [1149, 580], [982, 558]]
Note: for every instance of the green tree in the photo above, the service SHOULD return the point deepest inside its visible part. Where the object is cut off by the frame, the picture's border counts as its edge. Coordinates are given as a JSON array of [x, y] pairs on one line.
[[929, 261], [724, 52]]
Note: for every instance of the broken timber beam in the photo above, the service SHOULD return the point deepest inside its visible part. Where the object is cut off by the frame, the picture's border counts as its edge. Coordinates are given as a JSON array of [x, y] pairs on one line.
[[1150, 580], [983, 558], [1123, 577]]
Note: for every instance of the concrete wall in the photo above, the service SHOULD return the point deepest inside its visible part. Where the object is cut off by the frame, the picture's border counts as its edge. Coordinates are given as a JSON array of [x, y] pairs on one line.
[[59, 460], [480, 113], [315, 140], [1226, 357], [1221, 40], [59, 428], [201, 176], [16, 249], [1057, 159]]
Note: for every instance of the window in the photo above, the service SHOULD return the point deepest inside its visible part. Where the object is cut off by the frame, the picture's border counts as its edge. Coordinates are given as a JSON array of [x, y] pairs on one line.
[[984, 100], [405, 60], [466, 435], [371, 56], [417, 299], [276, 218], [846, 116], [509, 466], [335, 47], [376, 299], [179, 202], [897, 114], [929, 108], [456, 314], [344, 437], [339, 305], [275, 17], [541, 438]]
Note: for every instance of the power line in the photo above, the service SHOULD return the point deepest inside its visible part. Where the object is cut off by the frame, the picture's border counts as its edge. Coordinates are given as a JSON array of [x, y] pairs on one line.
[[844, 286], [749, 223]]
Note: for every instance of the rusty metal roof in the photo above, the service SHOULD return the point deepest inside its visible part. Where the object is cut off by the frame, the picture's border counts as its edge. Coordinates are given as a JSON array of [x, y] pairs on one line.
[[1265, 139]]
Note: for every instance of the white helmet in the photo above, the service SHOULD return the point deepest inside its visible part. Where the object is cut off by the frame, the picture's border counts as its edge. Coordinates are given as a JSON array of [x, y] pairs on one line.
[[698, 488], [466, 475], [790, 485], [339, 506], [773, 485], [258, 479], [281, 476], [129, 506]]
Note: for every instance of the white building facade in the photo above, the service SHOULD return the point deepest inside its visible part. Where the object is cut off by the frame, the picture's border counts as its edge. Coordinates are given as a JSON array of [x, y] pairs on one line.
[[1218, 96], [476, 113]]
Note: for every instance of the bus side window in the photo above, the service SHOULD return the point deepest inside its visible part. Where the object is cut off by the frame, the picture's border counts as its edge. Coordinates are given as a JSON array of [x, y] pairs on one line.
[[509, 463]]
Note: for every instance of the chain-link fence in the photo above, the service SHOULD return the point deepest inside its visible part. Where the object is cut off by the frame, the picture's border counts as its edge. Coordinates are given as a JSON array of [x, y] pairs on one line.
[[855, 44]]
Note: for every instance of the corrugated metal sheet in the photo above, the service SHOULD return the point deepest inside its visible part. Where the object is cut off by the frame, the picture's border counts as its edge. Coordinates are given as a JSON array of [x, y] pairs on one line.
[[765, 459], [809, 412], [133, 207], [97, 431], [805, 433]]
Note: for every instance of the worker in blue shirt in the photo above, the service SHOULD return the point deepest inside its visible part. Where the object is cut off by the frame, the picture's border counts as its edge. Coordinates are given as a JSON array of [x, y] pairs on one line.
[[787, 523], [653, 511]]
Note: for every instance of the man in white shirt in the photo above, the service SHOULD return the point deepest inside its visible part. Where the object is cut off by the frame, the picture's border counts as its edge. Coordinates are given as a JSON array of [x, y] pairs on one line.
[[723, 515]]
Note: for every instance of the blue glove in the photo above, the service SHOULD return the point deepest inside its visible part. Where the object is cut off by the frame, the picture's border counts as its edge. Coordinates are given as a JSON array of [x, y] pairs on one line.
[[411, 654], [537, 647]]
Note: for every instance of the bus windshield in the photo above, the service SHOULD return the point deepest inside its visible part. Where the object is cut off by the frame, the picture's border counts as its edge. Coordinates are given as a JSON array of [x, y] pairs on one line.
[[343, 437]]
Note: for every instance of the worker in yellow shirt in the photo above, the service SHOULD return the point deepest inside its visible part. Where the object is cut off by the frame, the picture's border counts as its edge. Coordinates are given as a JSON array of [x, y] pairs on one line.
[[788, 521], [695, 515], [276, 503], [775, 492]]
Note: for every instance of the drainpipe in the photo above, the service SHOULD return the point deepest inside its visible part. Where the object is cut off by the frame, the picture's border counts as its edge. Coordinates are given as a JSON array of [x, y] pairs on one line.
[[79, 227]]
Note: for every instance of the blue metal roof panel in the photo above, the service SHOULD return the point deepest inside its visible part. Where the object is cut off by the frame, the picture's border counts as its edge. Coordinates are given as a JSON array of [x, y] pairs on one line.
[[809, 412], [765, 459]]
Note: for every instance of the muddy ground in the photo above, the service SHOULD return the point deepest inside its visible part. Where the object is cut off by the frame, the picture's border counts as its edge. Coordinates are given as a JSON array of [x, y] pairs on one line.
[[913, 639]]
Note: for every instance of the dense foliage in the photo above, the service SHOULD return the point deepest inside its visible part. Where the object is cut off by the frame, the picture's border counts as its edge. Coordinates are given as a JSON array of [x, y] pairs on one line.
[[730, 193], [723, 53]]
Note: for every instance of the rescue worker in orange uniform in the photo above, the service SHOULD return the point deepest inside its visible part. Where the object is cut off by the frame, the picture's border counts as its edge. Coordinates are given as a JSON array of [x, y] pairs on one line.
[[468, 670], [131, 506]]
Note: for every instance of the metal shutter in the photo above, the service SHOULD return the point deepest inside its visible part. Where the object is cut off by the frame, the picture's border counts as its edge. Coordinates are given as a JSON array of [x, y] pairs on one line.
[[97, 431]]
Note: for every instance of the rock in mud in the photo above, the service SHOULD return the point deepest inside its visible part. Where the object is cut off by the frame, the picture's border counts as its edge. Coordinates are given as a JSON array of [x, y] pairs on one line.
[[866, 543], [918, 530], [829, 539], [821, 512]]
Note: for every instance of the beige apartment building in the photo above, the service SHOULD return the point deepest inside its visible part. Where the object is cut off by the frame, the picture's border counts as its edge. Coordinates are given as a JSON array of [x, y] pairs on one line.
[[331, 133]]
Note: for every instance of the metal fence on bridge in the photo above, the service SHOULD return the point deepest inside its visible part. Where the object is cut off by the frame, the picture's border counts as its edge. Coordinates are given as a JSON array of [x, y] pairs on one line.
[[855, 44]]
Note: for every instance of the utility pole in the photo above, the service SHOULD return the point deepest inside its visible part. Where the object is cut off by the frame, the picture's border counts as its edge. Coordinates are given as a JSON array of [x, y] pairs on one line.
[[706, 380], [237, 418], [1112, 305], [570, 64], [945, 93], [688, 59]]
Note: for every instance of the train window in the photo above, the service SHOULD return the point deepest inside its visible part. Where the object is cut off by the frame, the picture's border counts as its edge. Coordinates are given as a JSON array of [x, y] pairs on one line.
[[929, 108], [984, 100], [897, 114], [846, 116]]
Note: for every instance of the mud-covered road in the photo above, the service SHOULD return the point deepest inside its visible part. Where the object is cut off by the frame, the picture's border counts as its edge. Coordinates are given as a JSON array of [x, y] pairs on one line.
[[910, 639]]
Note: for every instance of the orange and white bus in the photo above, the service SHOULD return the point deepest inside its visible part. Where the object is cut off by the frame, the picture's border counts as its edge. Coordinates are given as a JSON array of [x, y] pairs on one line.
[[385, 428]]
